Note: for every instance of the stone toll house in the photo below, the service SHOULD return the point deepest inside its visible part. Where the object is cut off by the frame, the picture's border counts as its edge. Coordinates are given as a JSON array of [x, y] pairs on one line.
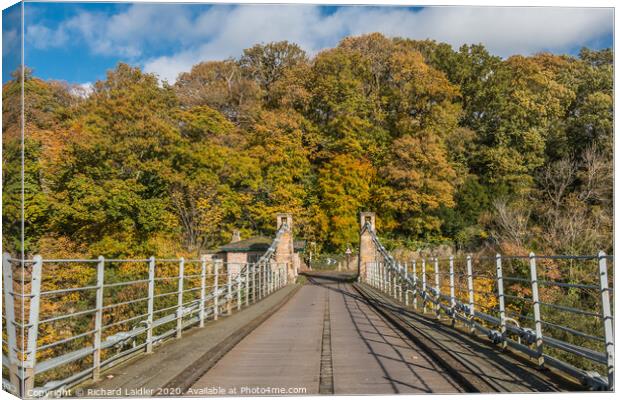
[[288, 251]]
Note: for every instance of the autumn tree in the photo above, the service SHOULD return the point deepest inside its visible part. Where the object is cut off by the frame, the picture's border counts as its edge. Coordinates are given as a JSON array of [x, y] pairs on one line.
[[445, 144], [48, 108], [267, 63], [223, 86]]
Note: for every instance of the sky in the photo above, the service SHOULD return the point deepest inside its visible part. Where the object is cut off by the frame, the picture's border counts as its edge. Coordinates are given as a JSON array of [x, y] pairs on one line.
[[79, 42]]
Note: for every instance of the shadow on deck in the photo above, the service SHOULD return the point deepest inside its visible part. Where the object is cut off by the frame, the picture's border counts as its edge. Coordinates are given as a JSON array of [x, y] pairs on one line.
[[472, 357]]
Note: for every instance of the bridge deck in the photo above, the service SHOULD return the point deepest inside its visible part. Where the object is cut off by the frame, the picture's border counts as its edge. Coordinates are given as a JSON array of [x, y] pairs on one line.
[[327, 338], [367, 355]]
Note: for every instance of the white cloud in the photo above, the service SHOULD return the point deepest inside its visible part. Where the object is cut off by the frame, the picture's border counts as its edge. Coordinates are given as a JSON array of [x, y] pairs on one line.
[[224, 31], [42, 37], [11, 35], [10, 42]]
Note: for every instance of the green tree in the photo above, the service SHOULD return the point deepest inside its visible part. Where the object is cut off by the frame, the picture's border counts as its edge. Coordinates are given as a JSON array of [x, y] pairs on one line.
[[111, 191], [267, 63], [223, 86]]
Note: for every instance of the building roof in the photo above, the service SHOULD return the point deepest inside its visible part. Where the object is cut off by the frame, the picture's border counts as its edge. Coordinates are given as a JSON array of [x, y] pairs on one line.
[[256, 244]]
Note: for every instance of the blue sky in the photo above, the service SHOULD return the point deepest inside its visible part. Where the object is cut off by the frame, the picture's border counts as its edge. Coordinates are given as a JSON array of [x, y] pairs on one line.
[[78, 42]]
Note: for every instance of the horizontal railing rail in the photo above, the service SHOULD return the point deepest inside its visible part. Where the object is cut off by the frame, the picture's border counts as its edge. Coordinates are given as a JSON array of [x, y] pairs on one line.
[[57, 336], [529, 303]]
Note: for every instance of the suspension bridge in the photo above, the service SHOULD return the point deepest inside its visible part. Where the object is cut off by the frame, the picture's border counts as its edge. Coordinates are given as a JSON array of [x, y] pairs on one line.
[[215, 326]]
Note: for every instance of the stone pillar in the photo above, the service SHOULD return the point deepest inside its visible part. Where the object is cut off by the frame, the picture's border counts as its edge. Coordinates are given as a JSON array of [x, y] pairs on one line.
[[367, 246], [285, 251]]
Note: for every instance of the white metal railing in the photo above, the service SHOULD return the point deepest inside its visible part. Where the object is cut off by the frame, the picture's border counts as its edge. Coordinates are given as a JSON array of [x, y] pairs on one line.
[[510, 308], [58, 336]]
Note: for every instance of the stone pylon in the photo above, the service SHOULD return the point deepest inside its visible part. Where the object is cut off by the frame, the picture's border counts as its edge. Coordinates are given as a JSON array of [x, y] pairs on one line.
[[368, 248], [285, 251]]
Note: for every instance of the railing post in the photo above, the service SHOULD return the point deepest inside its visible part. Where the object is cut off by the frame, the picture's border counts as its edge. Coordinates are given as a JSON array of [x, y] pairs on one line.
[[424, 285], [267, 272], [9, 306], [399, 279], [239, 290], [470, 290], [229, 294], [247, 284], [264, 282], [404, 282], [253, 283], [415, 284], [536, 306], [386, 287], [260, 281], [203, 289], [216, 289], [437, 288], [393, 279], [98, 319], [607, 318], [500, 298], [406, 268], [386, 278], [180, 297], [33, 322], [452, 295], [266, 279], [151, 301]]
